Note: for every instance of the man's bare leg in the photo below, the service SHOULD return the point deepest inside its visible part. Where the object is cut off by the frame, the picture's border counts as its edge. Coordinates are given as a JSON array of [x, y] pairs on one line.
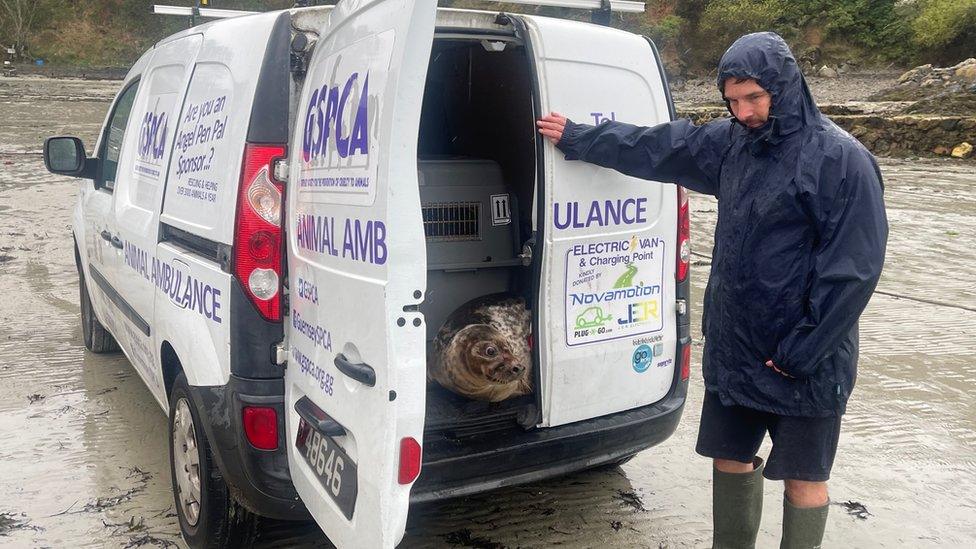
[[730, 466], [805, 507], [806, 494], [802, 493]]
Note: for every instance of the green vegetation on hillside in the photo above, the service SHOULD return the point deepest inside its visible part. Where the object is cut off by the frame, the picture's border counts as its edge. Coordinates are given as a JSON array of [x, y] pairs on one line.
[[693, 34]]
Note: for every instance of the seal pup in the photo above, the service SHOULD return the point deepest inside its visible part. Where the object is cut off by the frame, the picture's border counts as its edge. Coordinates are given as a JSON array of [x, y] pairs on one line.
[[482, 350]]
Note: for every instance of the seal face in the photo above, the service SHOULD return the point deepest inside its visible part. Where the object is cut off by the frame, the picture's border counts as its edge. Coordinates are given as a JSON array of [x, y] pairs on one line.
[[482, 350]]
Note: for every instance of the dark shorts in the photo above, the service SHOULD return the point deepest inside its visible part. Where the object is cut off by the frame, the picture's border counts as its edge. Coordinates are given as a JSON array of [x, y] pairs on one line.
[[803, 447]]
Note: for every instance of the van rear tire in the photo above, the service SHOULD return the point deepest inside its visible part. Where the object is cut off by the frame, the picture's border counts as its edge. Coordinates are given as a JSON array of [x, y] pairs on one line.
[[219, 521], [97, 338]]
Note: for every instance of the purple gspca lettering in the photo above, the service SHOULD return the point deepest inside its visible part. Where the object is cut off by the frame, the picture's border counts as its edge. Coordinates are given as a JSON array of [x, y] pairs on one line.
[[600, 213], [324, 116], [152, 136]]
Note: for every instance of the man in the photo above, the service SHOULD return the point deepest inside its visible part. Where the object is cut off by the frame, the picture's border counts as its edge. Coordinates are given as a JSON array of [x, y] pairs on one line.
[[799, 246]]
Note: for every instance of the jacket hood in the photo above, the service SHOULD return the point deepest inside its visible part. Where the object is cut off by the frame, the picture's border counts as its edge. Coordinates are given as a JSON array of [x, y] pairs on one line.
[[765, 57]]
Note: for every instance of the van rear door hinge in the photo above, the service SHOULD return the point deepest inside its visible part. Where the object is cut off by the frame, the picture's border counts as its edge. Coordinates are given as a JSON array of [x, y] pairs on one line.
[[280, 169], [279, 354], [298, 62]]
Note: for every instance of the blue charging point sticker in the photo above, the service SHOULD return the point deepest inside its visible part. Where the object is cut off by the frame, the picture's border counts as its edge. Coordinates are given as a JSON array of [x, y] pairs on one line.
[[642, 358]]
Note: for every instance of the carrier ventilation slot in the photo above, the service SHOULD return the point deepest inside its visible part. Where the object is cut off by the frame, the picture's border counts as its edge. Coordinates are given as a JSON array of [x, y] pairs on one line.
[[452, 221]]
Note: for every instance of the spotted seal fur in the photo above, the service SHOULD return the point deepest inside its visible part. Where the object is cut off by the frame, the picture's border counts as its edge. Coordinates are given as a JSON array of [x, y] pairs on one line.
[[482, 350]]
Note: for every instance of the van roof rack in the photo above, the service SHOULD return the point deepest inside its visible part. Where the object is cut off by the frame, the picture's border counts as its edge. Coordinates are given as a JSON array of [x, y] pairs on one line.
[[198, 11], [601, 9], [622, 6]]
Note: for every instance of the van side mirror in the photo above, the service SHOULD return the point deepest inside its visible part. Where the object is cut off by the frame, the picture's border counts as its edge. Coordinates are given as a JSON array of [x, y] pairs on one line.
[[66, 156]]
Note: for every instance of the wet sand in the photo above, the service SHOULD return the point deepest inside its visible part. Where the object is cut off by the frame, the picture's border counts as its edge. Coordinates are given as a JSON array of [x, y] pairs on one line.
[[83, 446]]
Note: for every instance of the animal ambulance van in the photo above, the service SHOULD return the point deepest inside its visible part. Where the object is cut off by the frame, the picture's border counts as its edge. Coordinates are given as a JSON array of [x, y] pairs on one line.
[[283, 208]]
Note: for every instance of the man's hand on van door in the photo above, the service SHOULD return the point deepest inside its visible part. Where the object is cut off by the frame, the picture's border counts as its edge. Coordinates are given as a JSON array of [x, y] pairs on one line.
[[552, 126]]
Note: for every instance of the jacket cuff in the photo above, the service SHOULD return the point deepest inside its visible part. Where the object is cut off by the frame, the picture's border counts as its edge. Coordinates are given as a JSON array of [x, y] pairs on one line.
[[779, 360], [567, 143]]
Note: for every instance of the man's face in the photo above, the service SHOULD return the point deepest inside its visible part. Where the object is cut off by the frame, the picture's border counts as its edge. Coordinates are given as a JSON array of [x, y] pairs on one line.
[[748, 101]]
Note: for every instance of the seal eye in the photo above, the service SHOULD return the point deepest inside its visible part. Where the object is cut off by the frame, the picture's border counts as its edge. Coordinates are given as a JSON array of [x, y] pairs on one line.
[[490, 351]]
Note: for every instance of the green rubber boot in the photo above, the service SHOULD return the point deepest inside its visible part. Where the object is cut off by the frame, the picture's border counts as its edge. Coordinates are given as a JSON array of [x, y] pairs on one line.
[[736, 507], [803, 528]]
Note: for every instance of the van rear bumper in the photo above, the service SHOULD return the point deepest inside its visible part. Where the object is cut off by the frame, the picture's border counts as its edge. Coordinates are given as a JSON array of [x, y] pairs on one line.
[[258, 479], [452, 468]]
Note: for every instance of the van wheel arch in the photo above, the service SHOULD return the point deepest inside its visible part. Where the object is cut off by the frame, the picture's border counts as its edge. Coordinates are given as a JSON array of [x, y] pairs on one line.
[[171, 366], [96, 337]]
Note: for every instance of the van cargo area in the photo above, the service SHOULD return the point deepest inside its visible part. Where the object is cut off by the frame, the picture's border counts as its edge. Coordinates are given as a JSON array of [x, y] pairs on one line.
[[477, 168]]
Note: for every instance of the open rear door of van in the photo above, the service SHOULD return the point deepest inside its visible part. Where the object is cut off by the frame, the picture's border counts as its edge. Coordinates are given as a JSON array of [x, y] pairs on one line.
[[355, 379], [607, 309]]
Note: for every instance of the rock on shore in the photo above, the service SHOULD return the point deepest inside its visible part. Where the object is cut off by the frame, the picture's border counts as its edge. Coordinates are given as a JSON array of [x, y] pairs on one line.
[[946, 90]]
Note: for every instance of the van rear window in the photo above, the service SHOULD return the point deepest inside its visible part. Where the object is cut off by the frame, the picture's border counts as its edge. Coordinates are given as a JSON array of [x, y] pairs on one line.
[[203, 172]]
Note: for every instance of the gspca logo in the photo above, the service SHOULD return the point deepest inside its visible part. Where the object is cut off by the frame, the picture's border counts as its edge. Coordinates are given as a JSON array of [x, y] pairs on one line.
[[152, 136], [325, 117]]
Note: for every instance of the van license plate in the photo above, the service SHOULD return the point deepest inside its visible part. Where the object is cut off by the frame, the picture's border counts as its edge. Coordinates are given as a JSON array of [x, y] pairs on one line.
[[335, 471]]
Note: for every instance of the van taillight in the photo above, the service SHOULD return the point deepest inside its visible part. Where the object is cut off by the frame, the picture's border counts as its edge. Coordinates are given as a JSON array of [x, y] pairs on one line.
[[261, 427], [684, 246], [685, 361], [257, 241]]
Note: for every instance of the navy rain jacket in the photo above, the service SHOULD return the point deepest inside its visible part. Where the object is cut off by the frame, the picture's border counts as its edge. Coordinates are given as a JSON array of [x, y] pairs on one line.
[[800, 237]]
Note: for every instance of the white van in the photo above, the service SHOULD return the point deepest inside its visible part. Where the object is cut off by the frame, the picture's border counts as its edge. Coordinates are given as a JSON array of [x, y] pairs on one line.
[[286, 206]]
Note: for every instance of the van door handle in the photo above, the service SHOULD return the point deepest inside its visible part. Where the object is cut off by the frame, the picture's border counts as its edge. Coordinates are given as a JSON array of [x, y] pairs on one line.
[[318, 419], [106, 235], [363, 373], [116, 242]]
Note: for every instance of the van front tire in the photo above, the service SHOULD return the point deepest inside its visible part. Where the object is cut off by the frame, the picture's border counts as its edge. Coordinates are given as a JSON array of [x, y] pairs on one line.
[[208, 515], [97, 338]]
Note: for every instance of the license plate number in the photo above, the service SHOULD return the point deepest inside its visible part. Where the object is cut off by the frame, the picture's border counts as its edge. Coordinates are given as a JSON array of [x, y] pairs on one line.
[[330, 464]]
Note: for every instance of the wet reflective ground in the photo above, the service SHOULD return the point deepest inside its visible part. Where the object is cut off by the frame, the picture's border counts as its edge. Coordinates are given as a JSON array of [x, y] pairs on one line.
[[83, 451]]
